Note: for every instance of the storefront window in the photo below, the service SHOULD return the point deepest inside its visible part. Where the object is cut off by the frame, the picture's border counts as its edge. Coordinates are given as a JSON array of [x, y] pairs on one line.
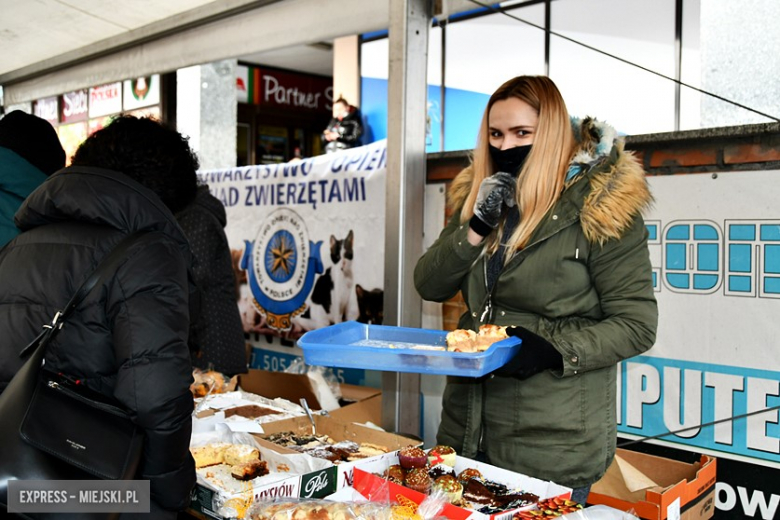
[[243, 140], [641, 31], [374, 63], [433, 117], [71, 136], [726, 49], [271, 144], [481, 54]]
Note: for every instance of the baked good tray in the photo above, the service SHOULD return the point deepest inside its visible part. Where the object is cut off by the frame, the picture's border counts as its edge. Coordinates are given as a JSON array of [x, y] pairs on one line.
[[399, 349]]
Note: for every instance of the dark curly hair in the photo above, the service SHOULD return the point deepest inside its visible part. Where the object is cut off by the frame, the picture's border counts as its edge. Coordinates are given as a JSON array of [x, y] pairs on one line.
[[151, 153]]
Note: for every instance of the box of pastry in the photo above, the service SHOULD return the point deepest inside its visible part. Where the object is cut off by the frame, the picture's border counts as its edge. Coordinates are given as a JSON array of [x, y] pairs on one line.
[[357, 403], [234, 470], [240, 411], [343, 444], [403, 349], [476, 490]]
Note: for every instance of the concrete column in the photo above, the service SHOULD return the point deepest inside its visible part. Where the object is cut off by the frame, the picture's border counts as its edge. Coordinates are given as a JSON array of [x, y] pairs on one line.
[[346, 69], [206, 111]]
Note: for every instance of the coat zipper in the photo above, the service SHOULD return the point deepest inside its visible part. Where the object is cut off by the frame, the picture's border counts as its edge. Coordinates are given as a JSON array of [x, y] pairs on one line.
[[485, 314], [89, 402], [488, 302]]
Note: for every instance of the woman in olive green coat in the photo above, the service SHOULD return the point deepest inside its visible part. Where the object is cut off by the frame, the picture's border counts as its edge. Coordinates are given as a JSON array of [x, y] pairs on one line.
[[571, 275]]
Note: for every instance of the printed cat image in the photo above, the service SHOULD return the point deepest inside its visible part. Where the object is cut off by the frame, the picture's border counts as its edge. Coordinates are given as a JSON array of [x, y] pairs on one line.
[[333, 298], [371, 305]]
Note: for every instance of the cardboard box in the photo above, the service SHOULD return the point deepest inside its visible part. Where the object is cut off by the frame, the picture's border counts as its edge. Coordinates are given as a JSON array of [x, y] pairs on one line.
[[369, 484], [340, 431], [293, 387], [363, 411], [321, 481], [657, 488]]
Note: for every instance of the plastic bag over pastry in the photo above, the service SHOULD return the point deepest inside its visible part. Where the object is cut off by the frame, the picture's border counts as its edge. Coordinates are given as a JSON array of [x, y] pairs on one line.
[[324, 383]]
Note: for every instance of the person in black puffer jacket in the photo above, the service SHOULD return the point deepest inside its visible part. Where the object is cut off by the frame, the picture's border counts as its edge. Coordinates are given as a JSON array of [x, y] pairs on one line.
[[128, 339], [344, 129]]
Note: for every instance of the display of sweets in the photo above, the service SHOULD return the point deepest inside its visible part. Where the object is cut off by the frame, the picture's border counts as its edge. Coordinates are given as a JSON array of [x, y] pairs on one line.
[[549, 508], [468, 489]]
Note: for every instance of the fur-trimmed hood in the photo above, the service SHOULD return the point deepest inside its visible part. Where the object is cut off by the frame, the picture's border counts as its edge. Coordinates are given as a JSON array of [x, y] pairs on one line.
[[618, 188]]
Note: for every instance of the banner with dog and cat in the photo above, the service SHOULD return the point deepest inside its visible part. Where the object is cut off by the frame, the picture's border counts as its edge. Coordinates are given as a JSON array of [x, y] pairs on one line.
[[307, 239]]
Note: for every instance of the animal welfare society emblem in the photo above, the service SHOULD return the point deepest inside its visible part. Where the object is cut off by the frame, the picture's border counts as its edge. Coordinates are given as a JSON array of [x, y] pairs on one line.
[[281, 264]]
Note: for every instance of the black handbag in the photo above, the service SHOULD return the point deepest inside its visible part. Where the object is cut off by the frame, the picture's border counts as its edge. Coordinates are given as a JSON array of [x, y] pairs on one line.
[[53, 430]]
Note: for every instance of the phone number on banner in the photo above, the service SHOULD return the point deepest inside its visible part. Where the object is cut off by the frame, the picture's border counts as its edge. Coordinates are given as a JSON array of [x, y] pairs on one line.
[[273, 361]]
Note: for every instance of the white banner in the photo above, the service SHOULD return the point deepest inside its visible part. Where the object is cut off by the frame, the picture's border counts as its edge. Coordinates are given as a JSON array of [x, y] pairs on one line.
[[307, 239], [715, 248]]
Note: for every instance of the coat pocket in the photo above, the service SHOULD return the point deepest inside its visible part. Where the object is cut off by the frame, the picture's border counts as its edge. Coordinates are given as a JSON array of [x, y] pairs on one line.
[[542, 404]]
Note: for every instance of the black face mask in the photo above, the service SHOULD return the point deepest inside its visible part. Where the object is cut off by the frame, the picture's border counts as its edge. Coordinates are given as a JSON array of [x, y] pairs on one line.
[[510, 160]]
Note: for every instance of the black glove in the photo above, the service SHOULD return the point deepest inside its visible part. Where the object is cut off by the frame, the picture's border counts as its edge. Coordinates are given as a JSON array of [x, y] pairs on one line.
[[536, 354], [494, 192]]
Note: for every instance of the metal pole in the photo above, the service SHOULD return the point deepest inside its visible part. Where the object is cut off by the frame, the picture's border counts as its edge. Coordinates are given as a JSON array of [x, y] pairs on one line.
[[407, 89], [678, 50], [548, 28]]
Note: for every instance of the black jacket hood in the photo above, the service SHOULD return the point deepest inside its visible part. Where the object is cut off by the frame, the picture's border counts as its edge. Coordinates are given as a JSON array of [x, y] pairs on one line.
[[102, 197]]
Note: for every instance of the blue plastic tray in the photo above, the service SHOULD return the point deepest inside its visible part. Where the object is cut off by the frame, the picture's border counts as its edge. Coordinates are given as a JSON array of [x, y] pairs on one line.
[[356, 345]]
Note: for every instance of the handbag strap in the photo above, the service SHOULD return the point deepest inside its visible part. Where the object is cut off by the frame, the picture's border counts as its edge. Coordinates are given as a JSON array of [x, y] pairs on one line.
[[107, 266]]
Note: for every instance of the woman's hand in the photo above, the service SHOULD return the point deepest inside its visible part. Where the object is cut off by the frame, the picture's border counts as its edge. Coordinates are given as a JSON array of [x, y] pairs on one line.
[[494, 192], [536, 354]]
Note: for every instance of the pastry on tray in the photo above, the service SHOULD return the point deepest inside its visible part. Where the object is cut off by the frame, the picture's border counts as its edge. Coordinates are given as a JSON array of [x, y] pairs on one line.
[[464, 340], [489, 334]]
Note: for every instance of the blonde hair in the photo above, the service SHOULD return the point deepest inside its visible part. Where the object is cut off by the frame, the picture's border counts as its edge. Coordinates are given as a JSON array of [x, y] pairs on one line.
[[541, 180]]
